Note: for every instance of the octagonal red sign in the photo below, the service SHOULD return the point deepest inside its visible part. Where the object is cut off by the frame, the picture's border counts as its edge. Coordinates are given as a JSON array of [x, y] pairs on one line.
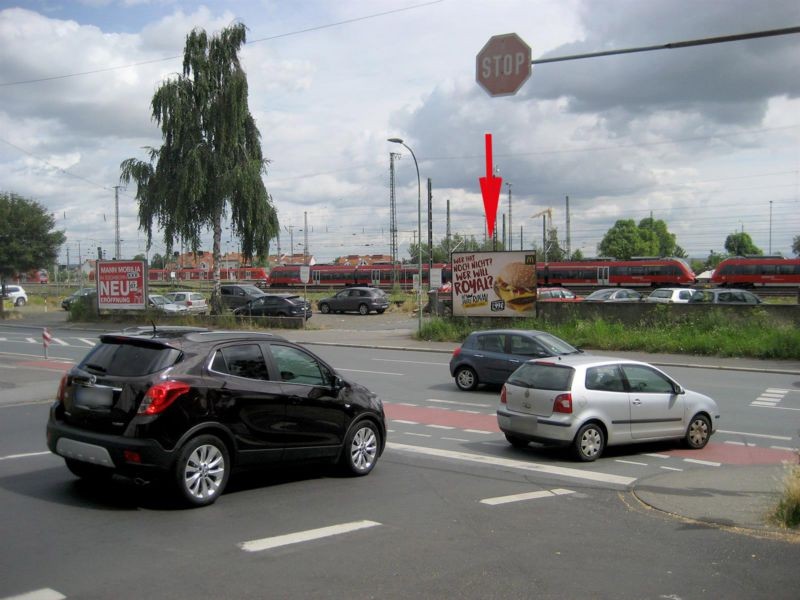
[[503, 64]]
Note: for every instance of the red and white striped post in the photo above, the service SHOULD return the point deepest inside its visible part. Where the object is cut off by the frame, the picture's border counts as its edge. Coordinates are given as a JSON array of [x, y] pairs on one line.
[[46, 339]]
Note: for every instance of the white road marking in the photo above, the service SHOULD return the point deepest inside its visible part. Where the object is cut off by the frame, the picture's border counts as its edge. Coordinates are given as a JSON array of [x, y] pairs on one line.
[[758, 435], [469, 412], [631, 462], [404, 422], [60, 341], [43, 594], [777, 391], [732, 443], [476, 404], [32, 340], [514, 464], [425, 435], [671, 468], [479, 431], [708, 463], [654, 455], [304, 536], [449, 439], [441, 427], [527, 496], [759, 403], [407, 404], [86, 341], [372, 372], [12, 456], [784, 448], [411, 362]]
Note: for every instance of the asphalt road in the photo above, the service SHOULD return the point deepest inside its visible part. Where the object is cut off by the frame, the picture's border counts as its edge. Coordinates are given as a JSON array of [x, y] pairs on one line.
[[450, 511]]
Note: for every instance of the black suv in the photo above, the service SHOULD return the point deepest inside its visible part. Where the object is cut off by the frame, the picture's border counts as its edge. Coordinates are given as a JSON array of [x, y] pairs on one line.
[[356, 299], [188, 405], [275, 305]]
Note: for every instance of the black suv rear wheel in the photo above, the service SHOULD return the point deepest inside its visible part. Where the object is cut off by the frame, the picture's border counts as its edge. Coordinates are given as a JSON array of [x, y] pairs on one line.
[[201, 470]]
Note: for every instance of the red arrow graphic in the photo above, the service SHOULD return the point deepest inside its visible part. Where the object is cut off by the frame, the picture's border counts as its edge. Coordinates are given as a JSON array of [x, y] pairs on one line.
[[490, 188]]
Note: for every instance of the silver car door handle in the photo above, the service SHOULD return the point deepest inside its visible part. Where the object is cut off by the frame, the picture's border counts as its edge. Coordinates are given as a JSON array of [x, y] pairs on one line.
[[636, 401]]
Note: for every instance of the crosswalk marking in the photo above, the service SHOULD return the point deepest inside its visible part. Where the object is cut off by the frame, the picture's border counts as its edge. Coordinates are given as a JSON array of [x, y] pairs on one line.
[[304, 536]]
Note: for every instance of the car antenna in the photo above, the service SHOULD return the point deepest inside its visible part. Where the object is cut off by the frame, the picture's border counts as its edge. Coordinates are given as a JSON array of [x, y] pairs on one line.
[[153, 323]]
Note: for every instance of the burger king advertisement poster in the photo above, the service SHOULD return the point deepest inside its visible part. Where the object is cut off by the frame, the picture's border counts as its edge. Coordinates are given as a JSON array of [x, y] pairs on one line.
[[494, 284]]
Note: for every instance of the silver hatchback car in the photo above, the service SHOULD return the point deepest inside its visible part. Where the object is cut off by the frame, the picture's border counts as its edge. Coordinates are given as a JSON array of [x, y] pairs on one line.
[[590, 402]]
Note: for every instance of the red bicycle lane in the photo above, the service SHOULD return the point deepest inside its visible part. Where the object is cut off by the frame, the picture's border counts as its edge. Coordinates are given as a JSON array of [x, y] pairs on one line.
[[716, 452]]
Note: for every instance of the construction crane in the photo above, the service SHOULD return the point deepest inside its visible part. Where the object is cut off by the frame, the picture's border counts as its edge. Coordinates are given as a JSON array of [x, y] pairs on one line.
[[547, 224]]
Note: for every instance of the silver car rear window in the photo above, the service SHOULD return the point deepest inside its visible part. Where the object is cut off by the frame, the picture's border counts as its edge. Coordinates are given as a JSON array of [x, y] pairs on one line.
[[543, 376]]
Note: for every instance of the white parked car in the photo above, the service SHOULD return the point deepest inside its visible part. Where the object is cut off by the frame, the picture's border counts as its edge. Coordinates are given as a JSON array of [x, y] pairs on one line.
[[194, 302], [670, 295], [16, 294], [162, 304], [590, 402]]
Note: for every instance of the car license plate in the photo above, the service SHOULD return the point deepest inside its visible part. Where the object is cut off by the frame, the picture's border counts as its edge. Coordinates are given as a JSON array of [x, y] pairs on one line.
[[94, 396]]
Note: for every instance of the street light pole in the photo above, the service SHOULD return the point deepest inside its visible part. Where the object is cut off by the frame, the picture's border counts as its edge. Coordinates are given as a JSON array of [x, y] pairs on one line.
[[419, 228]]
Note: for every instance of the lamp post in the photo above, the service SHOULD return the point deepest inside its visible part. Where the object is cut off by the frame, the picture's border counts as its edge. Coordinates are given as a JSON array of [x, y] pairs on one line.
[[419, 228]]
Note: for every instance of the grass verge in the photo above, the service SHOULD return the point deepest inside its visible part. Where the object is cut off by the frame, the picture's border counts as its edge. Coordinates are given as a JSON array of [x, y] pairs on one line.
[[709, 334], [787, 512]]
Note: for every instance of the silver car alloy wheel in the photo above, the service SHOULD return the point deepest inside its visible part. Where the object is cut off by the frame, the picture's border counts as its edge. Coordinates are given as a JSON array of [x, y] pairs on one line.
[[204, 472], [363, 449]]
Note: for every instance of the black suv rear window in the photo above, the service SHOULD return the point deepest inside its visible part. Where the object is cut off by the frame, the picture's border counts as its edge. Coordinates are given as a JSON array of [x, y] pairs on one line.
[[129, 358], [542, 376]]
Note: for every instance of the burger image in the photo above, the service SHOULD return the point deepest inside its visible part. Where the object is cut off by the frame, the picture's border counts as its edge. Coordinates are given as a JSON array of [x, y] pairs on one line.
[[516, 286]]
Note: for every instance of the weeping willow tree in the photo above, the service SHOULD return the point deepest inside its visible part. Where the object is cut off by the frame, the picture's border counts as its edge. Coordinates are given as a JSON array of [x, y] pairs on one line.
[[210, 163]]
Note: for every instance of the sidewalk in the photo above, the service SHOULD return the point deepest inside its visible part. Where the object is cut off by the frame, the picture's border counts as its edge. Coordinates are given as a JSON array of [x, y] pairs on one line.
[[732, 496]]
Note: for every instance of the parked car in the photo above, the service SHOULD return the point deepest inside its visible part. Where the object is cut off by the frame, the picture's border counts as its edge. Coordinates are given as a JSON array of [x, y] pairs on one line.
[[76, 295], [16, 294], [670, 295], [491, 356], [556, 294], [162, 304], [361, 299], [614, 295], [724, 296], [275, 305], [194, 302], [590, 402], [236, 295], [189, 405]]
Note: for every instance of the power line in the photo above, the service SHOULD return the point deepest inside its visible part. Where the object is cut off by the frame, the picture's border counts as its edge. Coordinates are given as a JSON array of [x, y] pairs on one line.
[[256, 41]]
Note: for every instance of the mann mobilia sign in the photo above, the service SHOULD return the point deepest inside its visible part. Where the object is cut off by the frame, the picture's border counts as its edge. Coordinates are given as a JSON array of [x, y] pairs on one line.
[[494, 284], [121, 284]]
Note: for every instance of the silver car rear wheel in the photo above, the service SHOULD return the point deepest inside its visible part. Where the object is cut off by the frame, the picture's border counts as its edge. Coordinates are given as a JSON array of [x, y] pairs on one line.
[[202, 469], [698, 432], [589, 442]]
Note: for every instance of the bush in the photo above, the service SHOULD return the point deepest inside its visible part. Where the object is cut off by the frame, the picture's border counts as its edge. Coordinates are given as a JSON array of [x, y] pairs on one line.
[[787, 512]]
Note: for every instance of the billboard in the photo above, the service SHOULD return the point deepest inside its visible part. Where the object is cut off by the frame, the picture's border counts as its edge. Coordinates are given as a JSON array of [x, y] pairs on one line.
[[121, 284], [494, 284]]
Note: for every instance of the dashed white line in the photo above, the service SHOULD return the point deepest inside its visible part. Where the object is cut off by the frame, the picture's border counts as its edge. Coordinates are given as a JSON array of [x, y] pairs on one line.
[[469, 412], [758, 435], [655, 455], [476, 404], [26, 455], [425, 435], [441, 427], [87, 341], [733, 443], [708, 463], [407, 404], [478, 431], [514, 464], [630, 462], [304, 536], [449, 439], [42, 594], [671, 468], [404, 422], [527, 496], [784, 448]]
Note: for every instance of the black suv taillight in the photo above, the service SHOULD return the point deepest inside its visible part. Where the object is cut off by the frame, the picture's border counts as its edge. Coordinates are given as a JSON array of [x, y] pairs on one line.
[[161, 395]]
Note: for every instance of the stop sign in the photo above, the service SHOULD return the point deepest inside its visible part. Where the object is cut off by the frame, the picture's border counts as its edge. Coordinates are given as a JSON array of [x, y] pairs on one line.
[[503, 64]]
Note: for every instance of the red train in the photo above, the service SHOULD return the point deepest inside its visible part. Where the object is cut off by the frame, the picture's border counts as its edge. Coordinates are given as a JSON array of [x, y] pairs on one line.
[[384, 275], [601, 273], [637, 272], [754, 271], [256, 275]]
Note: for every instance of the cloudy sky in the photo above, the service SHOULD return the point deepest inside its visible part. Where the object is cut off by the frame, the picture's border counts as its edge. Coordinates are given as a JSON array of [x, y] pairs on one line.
[[705, 138]]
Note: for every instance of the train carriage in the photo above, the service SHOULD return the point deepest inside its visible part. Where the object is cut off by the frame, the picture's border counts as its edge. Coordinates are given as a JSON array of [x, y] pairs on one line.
[[752, 271]]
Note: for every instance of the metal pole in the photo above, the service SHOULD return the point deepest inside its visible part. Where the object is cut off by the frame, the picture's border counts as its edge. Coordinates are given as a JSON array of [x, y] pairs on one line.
[[770, 227]]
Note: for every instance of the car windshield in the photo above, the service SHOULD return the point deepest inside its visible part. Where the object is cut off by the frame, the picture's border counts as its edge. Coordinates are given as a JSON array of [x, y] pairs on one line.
[[252, 290], [555, 345], [158, 300], [600, 295], [542, 377]]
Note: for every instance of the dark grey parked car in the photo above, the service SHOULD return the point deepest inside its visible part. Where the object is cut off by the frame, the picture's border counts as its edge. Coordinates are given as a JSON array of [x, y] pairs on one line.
[[356, 299], [614, 295], [275, 305], [491, 356], [236, 295]]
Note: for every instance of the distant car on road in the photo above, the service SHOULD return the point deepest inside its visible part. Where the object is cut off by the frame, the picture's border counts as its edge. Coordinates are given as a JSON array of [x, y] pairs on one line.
[[76, 295], [556, 294], [275, 305], [670, 295], [195, 302], [363, 300], [491, 356], [162, 304], [614, 295], [724, 296], [16, 294], [590, 402]]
